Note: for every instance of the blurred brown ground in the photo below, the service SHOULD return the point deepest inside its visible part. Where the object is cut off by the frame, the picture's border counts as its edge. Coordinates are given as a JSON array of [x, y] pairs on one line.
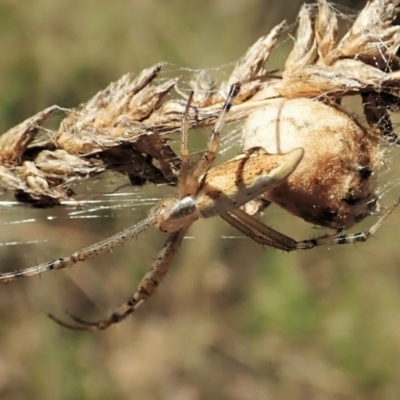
[[233, 320]]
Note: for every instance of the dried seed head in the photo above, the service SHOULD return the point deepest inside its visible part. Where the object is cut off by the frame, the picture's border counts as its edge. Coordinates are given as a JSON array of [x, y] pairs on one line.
[[335, 183]]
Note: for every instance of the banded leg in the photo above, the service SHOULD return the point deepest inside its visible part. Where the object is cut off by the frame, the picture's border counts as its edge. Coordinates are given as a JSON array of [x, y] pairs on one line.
[[146, 288], [263, 234], [213, 141], [86, 253], [185, 162]]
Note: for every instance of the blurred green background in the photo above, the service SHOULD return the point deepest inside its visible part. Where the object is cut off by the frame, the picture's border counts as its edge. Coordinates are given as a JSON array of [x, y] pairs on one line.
[[232, 320]]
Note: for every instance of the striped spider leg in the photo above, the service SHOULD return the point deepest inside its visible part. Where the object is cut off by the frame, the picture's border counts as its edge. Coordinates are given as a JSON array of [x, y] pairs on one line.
[[202, 193], [265, 235]]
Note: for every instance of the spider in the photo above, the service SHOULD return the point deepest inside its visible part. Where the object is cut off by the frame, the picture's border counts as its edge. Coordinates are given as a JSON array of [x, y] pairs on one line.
[[203, 192]]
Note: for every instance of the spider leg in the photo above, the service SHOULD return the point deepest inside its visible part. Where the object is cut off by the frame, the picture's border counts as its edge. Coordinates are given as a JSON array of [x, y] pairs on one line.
[[376, 106], [329, 240], [212, 143], [263, 234], [184, 171], [85, 326], [266, 237], [86, 253], [146, 288]]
